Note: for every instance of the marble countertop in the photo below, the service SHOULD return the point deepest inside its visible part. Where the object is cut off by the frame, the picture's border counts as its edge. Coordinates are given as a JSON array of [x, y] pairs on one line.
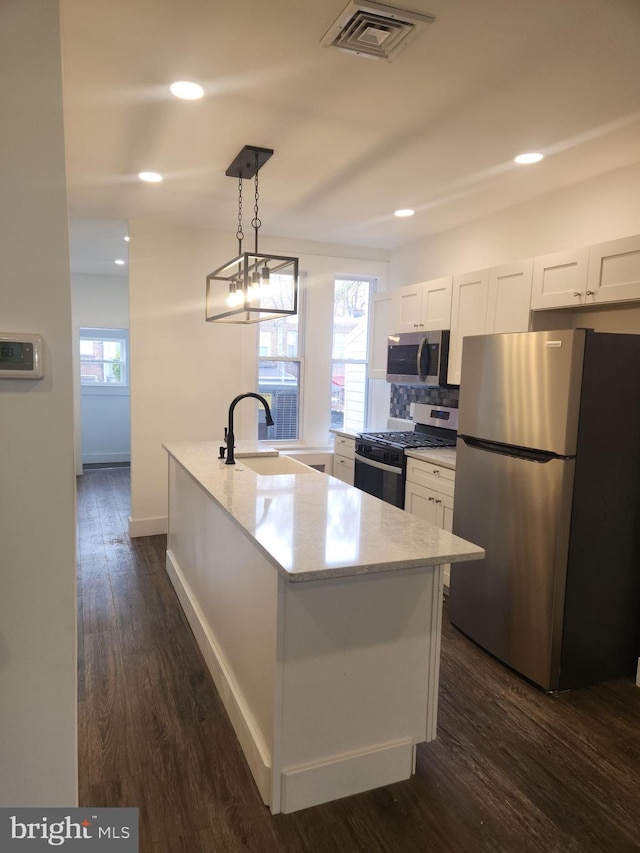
[[312, 526], [345, 432], [445, 456]]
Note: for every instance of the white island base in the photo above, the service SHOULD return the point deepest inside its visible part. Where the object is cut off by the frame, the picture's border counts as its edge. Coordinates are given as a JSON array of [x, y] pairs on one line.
[[330, 682]]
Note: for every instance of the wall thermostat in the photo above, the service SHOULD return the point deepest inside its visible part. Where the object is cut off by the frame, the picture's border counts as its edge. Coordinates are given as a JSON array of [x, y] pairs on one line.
[[21, 356]]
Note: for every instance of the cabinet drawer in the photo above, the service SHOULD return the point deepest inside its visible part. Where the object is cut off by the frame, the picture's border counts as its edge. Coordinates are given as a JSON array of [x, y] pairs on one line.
[[344, 468], [344, 446], [430, 475]]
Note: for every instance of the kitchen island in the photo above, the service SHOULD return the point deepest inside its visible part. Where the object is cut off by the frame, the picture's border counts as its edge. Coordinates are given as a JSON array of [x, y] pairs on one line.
[[318, 610]]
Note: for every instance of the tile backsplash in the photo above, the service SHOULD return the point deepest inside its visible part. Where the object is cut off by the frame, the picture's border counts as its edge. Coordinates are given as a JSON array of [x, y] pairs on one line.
[[403, 395]]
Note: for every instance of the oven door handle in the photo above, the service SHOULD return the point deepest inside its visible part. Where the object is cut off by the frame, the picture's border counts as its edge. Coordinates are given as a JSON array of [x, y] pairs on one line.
[[381, 465]]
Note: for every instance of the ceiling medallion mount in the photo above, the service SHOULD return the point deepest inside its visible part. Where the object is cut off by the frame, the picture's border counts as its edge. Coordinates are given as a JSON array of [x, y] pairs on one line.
[[253, 286]]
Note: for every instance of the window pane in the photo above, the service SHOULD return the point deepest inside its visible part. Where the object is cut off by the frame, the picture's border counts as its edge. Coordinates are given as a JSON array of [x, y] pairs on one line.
[[102, 362], [279, 383], [349, 382], [279, 337], [350, 319], [348, 396]]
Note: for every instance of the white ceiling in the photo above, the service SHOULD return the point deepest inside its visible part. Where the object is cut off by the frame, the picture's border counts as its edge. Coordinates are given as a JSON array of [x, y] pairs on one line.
[[354, 138]]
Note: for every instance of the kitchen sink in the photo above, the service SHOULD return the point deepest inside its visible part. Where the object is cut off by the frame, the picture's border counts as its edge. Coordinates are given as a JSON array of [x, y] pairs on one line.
[[274, 465]]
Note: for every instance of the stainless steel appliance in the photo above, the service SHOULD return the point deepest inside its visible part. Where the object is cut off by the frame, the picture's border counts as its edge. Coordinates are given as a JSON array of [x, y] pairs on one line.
[[418, 358], [548, 482], [380, 463]]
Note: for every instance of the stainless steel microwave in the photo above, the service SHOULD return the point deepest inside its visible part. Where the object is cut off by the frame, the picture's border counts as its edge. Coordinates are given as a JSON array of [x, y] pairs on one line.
[[418, 358]]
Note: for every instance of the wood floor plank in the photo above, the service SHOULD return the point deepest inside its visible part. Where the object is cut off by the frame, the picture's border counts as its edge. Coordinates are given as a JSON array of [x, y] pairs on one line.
[[512, 770]]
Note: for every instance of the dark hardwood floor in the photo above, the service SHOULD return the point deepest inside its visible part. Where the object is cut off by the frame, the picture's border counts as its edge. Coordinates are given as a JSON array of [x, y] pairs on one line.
[[512, 769]]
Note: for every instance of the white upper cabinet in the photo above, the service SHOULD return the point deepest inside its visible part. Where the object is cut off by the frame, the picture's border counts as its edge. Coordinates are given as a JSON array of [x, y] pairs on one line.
[[409, 305], [437, 296], [418, 307], [509, 300], [383, 322], [614, 271], [425, 306], [468, 315], [560, 279]]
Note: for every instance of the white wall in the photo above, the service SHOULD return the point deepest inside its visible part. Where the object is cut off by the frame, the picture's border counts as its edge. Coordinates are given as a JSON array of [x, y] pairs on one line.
[[589, 212], [100, 300], [185, 372], [38, 752]]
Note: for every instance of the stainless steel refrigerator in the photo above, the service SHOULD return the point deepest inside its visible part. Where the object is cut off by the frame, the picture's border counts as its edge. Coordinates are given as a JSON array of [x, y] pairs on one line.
[[548, 483]]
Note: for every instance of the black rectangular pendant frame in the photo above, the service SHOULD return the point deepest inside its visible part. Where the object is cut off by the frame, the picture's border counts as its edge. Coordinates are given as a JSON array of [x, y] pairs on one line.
[[244, 165]]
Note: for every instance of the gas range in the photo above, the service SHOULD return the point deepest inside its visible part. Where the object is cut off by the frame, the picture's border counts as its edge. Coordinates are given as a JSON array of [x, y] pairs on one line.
[[380, 462], [408, 440]]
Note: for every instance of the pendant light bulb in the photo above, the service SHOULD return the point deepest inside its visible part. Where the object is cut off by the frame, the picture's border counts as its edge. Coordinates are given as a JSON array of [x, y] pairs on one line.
[[265, 279], [254, 287], [236, 295]]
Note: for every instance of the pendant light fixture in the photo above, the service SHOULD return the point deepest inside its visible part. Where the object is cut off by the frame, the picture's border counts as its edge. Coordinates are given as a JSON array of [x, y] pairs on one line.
[[252, 286]]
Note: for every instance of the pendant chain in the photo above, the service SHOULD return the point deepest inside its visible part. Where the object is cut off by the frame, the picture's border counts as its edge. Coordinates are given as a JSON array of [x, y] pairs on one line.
[[255, 222], [239, 232]]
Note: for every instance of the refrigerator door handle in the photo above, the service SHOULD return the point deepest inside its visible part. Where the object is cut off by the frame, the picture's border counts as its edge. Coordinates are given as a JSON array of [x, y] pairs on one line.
[[509, 450]]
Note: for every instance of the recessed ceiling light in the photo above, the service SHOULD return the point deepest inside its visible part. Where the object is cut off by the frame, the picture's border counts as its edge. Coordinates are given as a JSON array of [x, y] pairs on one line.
[[405, 211], [186, 90], [531, 157], [126, 239], [119, 262], [150, 177]]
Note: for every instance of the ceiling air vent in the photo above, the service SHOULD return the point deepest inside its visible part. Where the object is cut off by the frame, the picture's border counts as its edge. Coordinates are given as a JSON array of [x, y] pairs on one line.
[[374, 30]]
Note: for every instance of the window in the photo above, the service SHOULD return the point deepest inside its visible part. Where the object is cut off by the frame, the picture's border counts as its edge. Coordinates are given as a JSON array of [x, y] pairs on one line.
[[349, 383], [103, 357], [279, 372]]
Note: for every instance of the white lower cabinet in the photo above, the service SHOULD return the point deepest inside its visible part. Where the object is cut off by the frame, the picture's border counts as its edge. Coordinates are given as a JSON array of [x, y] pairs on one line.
[[344, 449], [429, 492]]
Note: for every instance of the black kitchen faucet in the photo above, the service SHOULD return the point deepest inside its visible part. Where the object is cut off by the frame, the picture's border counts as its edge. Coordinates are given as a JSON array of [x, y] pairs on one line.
[[228, 433]]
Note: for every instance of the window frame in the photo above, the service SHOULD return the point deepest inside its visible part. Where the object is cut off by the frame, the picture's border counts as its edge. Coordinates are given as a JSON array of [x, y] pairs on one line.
[[104, 334]]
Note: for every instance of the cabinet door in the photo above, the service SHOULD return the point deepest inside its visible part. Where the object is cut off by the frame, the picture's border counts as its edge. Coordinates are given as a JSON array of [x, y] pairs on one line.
[[614, 271], [344, 469], [509, 303], [409, 308], [421, 502], [560, 279], [435, 312], [344, 446], [383, 323], [433, 507], [468, 315]]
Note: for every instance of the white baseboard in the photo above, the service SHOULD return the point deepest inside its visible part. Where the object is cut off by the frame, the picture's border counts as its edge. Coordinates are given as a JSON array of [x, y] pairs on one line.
[[345, 775], [147, 526], [103, 458]]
